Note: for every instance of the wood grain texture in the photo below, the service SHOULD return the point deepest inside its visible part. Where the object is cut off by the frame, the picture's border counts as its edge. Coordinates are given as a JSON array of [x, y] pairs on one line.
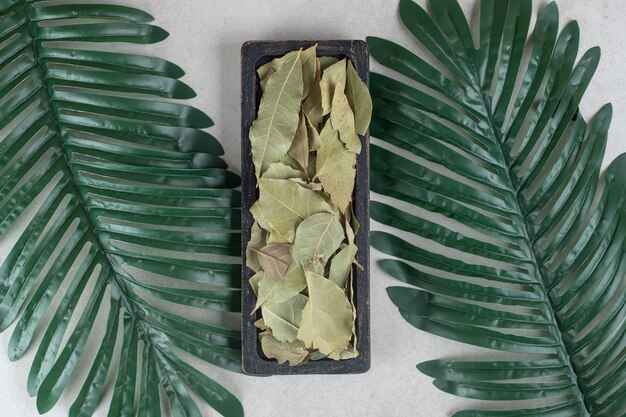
[[253, 55]]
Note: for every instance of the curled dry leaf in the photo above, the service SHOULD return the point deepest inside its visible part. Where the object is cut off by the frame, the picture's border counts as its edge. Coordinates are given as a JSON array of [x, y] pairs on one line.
[[295, 353], [260, 324]]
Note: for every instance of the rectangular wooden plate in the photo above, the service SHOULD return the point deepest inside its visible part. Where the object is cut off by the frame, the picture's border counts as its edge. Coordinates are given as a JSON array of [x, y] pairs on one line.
[[253, 55]]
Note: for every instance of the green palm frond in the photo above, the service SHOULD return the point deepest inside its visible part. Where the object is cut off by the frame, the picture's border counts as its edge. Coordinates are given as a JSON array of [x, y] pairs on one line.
[[136, 216], [508, 234]]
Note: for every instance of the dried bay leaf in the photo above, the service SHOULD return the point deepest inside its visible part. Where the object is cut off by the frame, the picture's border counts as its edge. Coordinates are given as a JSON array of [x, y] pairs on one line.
[[312, 104], [327, 317], [263, 81], [333, 79], [294, 353], [359, 100], [336, 168], [349, 353], [342, 119], [308, 58], [341, 265], [327, 61], [265, 70], [260, 324], [309, 69], [290, 162], [317, 239], [352, 351], [271, 134], [271, 292], [284, 204], [313, 135], [257, 240], [314, 186], [275, 260], [300, 145], [275, 238], [254, 282], [284, 318], [352, 226], [314, 265], [316, 356], [282, 171]]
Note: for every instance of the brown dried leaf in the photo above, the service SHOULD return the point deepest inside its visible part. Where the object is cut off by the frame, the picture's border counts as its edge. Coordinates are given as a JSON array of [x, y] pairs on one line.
[[275, 260]]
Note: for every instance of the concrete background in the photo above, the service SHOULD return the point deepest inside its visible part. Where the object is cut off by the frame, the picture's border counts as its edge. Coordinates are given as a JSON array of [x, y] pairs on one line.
[[205, 39]]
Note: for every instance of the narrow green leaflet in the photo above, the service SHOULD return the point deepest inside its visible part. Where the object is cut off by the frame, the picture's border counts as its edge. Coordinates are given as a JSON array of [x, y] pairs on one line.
[[336, 168], [271, 134], [327, 318]]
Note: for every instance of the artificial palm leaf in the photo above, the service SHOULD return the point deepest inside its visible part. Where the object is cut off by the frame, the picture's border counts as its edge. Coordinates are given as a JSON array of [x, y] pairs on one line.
[[511, 236], [135, 215]]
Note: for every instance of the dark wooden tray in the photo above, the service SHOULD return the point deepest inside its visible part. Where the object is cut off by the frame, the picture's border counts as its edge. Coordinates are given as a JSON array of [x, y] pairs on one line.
[[253, 55]]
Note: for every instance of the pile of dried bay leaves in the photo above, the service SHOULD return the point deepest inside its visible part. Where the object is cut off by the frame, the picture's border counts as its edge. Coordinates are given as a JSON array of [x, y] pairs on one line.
[[305, 143]]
